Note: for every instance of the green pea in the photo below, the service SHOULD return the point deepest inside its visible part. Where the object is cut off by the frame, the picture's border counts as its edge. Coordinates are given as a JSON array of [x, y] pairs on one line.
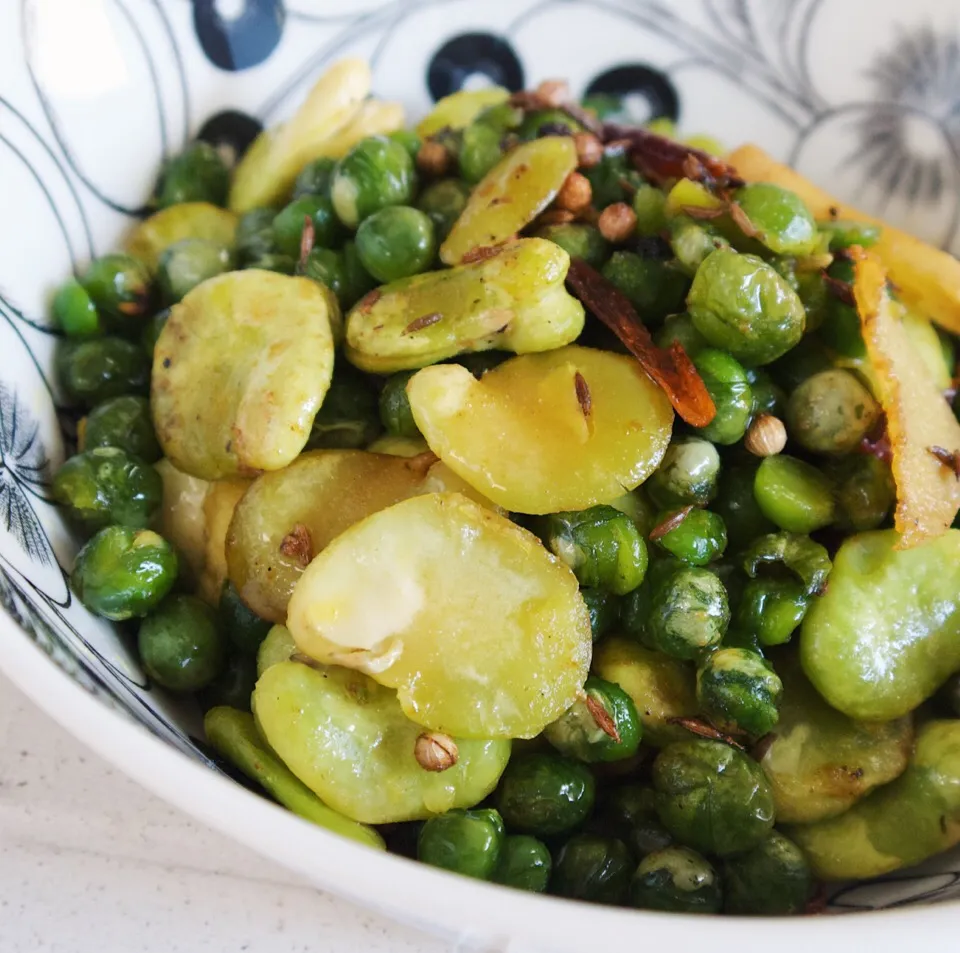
[[377, 172], [603, 726], [198, 174], [649, 205], [123, 422], [186, 264], [688, 474], [91, 372], [793, 494], [151, 330], [809, 357], [831, 412], [255, 237], [676, 880], [395, 413], [812, 290], [592, 867], [524, 864], [233, 686], [277, 647], [119, 286], [737, 505], [692, 242], [655, 288], [315, 179], [601, 545], [806, 559], [396, 242], [357, 280], [244, 629], [608, 176], [348, 417], [864, 489], [443, 202], [107, 485], [948, 696], [740, 304], [578, 240], [466, 842], [604, 609], [502, 116], [603, 105], [770, 610], [768, 398], [326, 267], [408, 139], [181, 646], [274, 261], [773, 879], [781, 218], [711, 797], [480, 151], [290, 222], [555, 121], [844, 233], [545, 794], [75, 313], [738, 690], [630, 812], [726, 380], [699, 539]]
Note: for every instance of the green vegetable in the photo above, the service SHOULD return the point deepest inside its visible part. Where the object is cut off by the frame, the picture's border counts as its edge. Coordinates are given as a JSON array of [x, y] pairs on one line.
[[395, 413], [119, 287], [348, 417], [181, 645], [480, 151], [740, 304], [578, 240], [357, 280], [255, 237], [630, 813], [688, 474], [809, 357], [443, 202], [693, 243], [75, 312], [184, 265], [123, 422], [375, 173], [408, 139], [327, 267], [198, 174], [603, 726], [607, 178], [768, 398], [899, 824], [864, 490], [396, 242], [699, 539], [107, 485], [737, 505], [678, 880], [771, 610], [315, 179], [274, 261], [738, 690], [831, 412], [604, 609], [729, 387], [123, 572], [886, 633], [234, 685], [807, 560], [91, 372], [793, 494], [234, 735], [244, 629], [773, 879], [601, 545], [781, 218], [655, 288], [712, 797], [649, 205], [277, 647], [544, 794], [290, 222], [524, 863], [151, 330], [679, 328], [535, 121], [592, 867], [843, 233], [466, 842]]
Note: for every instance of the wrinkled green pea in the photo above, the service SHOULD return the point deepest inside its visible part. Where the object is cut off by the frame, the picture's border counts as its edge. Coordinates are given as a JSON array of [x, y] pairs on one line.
[[578, 240], [726, 381], [793, 494], [255, 236], [91, 372], [864, 489], [773, 879], [781, 218], [601, 545], [699, 539], [107, 485], [443, 202], [181, 646], [315, 179], [655, 288], [712, 797], [771, 610], [233, 687], [649, 205], [466, 842], [244, 629], [290, 222], [604, 610], [738, 690], [123, 422], [74, 311], [688, 474], [121, 572], [831, 412], [396, 242], [524, 864], [806, 559], [676, 880], [630, 813], [119, 286], [545, 794], [375, 173], [348, 418], [186, 264], [592, 867], [740, 304], [395, 413], [198, 174]]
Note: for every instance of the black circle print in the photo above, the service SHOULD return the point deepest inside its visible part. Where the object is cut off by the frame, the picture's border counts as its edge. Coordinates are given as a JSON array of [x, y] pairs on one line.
[[231, 129], [646, 82], [238, 39], [473, 54]]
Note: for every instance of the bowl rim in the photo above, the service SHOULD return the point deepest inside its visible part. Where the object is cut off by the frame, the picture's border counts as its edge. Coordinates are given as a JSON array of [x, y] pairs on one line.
[[466, 911]]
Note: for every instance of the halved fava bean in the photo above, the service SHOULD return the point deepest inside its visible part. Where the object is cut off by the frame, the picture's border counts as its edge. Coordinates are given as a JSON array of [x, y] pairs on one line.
[[547, 432], [482, 632], [511, 195], [512, 299]]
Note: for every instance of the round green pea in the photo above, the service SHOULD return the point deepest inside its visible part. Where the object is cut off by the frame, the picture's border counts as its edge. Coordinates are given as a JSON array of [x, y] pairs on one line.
[[480, 151], [679, 329], [738, 690], [539, 121], [676, 880], [348, 418], [326, 267], [93, 371], [395, 413], [727, 382], [466, 842], [768, 398], [831, 412], [524, 864], [687, 475], [75, 313], [592, 867], [865, 491], [655, 288], [274, 261], [699, 539], [737, 506], [443, 202], [290, 222], [123, 422], [181, 645], [772, 879], [121, 573], [119, 286], [233, 686], [396, 242], [844, 233], [408, 139], [255, 237], [578, 240], [376, 173], [198, 174], [315, 179], [630, 813], [244, 629], [186, 264], [357, 280], [545, 794], [771, 610], [151, 330], [692, 242], [649, 205], [781, 218], [604, 610], [793, 494]]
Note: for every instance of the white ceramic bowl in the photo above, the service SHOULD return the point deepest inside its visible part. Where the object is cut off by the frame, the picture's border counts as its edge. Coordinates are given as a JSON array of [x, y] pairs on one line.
[[862, 95]]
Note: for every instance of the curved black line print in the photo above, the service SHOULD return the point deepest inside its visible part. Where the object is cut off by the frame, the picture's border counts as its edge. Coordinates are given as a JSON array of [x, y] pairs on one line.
[[472, 54], [181, 69], [639, 79], [242, 42], [231, 128]]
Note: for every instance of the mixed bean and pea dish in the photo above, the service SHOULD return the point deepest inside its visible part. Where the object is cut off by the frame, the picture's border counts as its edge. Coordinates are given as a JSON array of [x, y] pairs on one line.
[[541, 496]]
